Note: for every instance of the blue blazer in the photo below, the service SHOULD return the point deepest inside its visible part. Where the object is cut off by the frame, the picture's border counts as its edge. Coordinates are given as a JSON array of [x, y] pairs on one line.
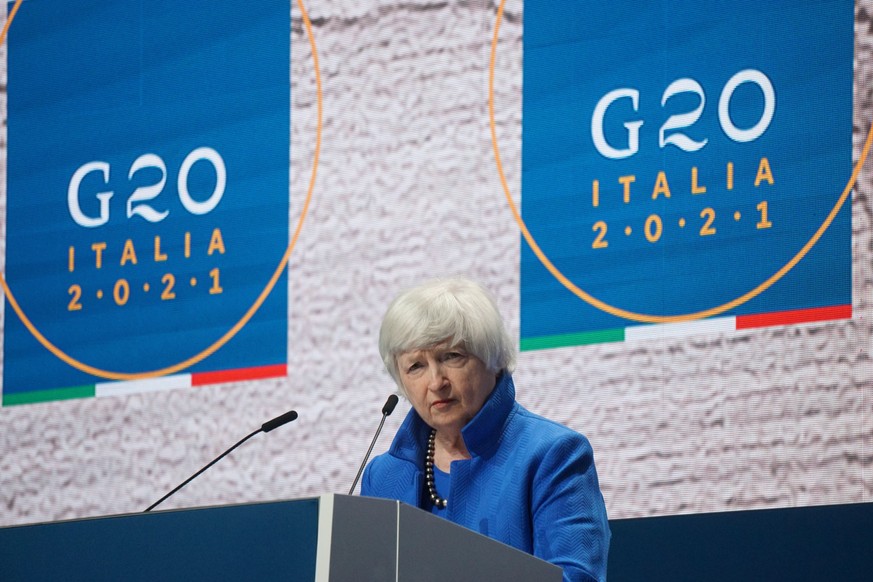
[[531, 483]]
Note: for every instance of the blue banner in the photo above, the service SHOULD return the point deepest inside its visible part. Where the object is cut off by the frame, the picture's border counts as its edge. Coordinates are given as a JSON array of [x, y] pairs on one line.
[[147, 186], [677, 155]]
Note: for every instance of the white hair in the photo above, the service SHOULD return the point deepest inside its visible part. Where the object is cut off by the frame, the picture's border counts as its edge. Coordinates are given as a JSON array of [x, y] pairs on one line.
[[456, 311]]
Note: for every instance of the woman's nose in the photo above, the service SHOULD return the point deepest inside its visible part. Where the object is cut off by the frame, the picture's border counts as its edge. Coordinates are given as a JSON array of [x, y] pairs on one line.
[[436, 377]]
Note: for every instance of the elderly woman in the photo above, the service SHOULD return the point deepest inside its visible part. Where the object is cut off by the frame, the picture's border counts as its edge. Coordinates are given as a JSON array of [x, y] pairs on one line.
[[467, 451]]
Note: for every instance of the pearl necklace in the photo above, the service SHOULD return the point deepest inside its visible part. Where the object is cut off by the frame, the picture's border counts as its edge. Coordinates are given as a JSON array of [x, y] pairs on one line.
[[428, 472]]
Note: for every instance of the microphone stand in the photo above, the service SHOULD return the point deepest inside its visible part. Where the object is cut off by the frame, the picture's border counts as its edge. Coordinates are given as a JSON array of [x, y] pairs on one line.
[[266, 427], [386, 411]]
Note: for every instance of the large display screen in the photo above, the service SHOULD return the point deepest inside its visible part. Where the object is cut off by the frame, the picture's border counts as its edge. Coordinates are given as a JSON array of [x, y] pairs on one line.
[[207, 207]]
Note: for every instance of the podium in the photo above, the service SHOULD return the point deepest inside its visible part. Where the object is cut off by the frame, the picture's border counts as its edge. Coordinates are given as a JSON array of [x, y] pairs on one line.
[[327, 538]]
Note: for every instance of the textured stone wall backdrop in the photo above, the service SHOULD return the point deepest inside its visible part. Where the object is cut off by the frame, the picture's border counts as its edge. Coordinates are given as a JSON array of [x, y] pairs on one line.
[[406, 190]]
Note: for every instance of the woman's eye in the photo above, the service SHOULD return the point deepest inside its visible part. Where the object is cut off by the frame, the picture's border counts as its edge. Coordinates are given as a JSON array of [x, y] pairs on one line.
[[413, 367]]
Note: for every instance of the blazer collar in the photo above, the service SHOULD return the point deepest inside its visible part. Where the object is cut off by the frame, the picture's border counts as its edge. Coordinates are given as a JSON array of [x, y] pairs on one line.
[[481, 434]]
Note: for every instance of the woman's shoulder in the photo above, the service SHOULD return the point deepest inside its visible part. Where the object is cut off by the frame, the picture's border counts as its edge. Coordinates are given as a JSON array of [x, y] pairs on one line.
[[388, 462], [535, 422], [544, 433]]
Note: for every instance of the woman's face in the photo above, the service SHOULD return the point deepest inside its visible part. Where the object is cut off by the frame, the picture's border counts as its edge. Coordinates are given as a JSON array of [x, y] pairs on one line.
[[446, 385]]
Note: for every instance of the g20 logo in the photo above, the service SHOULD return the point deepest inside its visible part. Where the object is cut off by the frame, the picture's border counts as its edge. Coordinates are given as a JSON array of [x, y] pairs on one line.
[[670, 131], [136, 203]]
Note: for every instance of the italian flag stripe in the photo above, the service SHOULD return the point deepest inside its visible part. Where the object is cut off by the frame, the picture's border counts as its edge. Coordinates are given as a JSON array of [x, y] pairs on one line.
[[147, 385], [67, 393], [239, 375], [796, 316], [686, 328]]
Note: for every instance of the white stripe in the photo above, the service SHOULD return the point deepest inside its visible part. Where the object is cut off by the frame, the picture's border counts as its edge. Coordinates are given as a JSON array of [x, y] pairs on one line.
[[685, 328], [325, 527], [397, 546], [148, 385]]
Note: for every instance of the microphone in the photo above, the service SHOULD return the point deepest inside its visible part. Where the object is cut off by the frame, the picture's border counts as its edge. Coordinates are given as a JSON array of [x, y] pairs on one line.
[[386, 411], [278, 421], [266, 427]]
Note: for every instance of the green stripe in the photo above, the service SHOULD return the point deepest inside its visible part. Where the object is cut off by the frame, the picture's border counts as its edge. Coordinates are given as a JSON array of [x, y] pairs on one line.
[[572, 339], [47, 395]]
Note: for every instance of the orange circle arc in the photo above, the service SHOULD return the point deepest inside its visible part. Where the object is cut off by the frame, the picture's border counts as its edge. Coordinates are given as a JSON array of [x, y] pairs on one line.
[[218, 344], [624, 313]]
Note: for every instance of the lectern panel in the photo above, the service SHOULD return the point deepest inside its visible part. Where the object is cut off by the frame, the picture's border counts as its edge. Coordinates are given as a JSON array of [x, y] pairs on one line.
[[269, 541], [364, 539], [449, 552]]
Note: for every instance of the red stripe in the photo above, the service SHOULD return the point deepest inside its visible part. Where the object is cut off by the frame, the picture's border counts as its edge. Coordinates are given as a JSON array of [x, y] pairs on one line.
[[239, 374], [796, 316]]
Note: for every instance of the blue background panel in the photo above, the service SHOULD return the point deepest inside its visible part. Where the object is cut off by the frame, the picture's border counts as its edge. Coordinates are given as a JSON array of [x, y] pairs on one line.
[[112, 82], [571, 62]]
